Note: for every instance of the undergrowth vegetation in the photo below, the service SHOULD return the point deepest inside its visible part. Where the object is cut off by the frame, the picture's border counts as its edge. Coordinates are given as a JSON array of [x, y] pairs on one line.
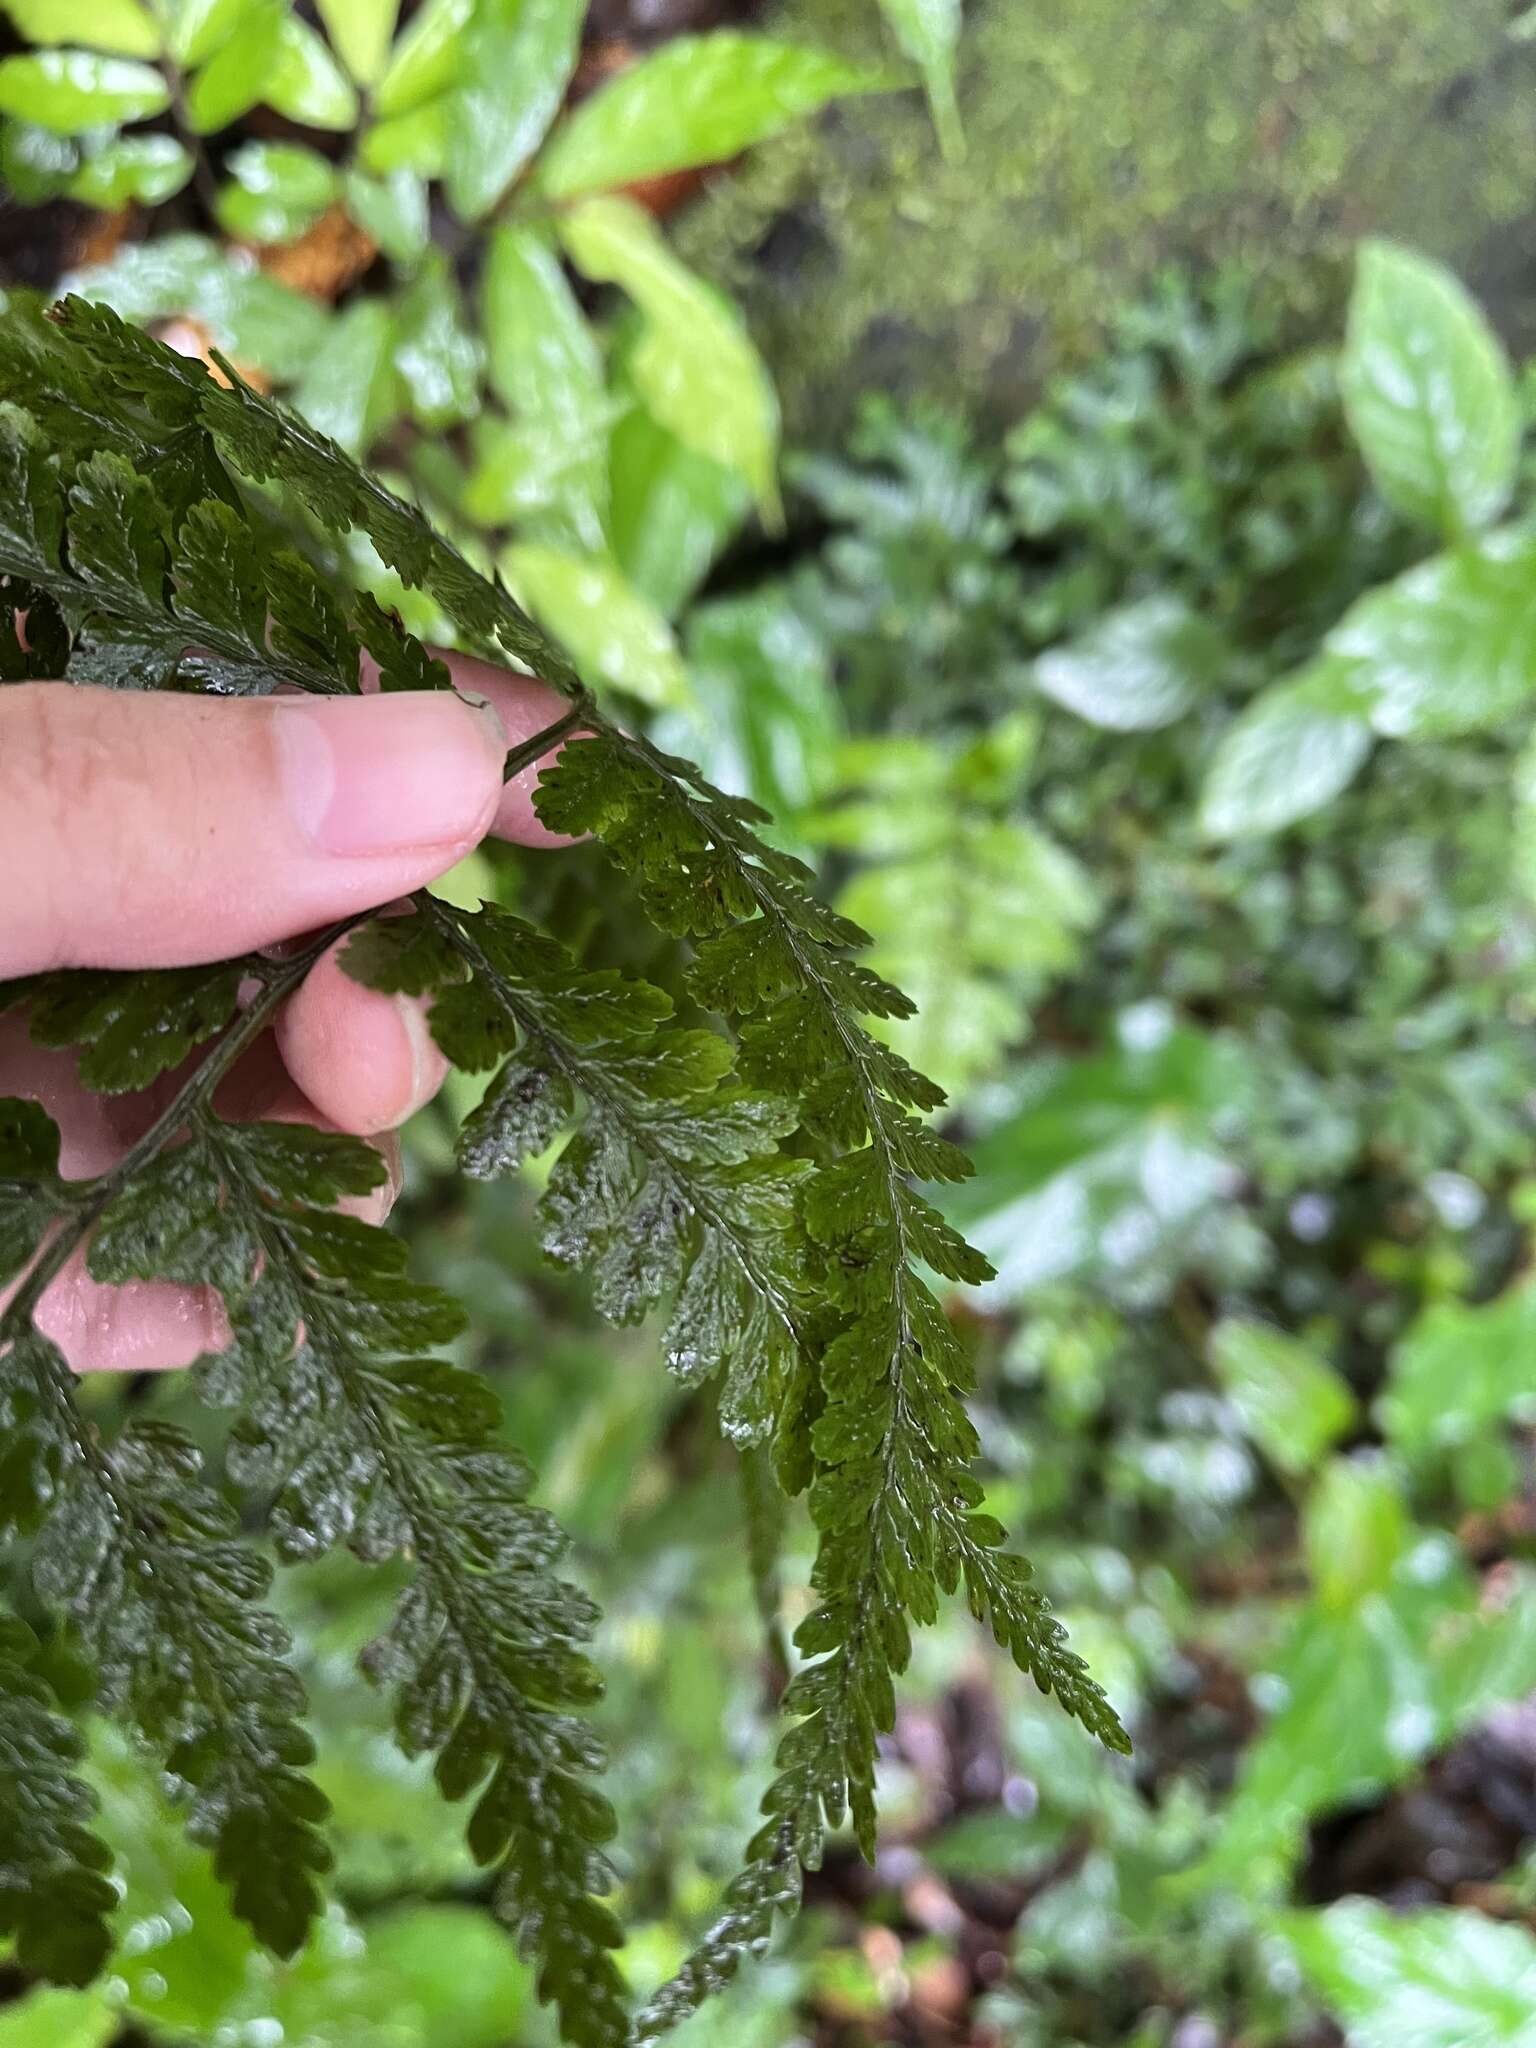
[[1173, 753]]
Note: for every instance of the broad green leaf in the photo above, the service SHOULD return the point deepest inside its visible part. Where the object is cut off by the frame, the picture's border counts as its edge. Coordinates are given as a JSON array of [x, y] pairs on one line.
[[518, 59], [1459, 1371], [125, 28], [393, 210], [1428, 392], [252, 317], [1292, 1403], [612, 634], [1442, 1978], [416, 141], [360, 32], [671, 509], [349, 389], [547, 369], [239, 69], [693, 364], [928, 31], [69, 91], [765, 721], [1355, 1530], [438, 359], [1138, 668], [1450, 647], [279, 189], [696, 100], [59, 2019], [34, 163], [1296, 746], [148, 168], [198, 27], [306, 83], [426, 57]]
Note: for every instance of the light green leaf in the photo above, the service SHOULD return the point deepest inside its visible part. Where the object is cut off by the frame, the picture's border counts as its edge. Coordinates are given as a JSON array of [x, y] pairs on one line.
[[697, 100], [69, 91], [1295, 747], [928, 31], [766, 723], [518, 59], [1292, 1403], [1437, 1979], [59, 2019], [1138, 668], [199, 26], [148, 168], [126, 28], [437, 357], [426, 57], [307, 84], [1450, 647], [693, 364], [235, 76], [611, 633], [360, 32], [671, 509], [546, 367], [417, 141], [1355, 1531], [393, 210], [279, 189], [1428, 392], [349, 390], [1459, 1371], [252, 317]]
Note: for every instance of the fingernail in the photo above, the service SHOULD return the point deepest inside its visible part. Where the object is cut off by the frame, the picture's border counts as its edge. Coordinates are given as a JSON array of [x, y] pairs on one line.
[[371, 775]]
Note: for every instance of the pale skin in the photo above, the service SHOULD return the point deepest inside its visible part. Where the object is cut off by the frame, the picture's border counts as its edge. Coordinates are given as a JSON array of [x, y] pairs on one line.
[[160, 830]]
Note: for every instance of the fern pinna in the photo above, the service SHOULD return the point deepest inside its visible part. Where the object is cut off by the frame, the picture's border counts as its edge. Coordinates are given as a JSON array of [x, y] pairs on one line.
[[164, 528]]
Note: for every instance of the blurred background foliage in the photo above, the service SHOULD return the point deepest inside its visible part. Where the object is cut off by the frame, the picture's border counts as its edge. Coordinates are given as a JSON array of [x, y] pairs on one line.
[[1231, 976]]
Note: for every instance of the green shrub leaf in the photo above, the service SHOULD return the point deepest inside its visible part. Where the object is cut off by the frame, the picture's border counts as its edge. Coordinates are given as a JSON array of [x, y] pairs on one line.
[[1428, 392], [1294, 748], [70, 91], [1435, 1979], [697, 100]]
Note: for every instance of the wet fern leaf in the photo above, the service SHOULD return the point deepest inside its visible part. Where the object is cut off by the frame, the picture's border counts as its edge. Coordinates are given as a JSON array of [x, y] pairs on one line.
[[750, 1174]]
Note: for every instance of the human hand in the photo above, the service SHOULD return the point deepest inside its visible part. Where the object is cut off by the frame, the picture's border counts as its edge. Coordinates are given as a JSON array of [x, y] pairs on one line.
[[161, 830]]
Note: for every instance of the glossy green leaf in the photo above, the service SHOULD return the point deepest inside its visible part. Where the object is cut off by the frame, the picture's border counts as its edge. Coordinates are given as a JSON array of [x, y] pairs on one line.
[[518, 57], [1450, 647], [251, 316], [306, 83], [198, 27], [1139, 668], [693, 364], [278, 190], [671, 510], [70, 91], [547, 369], [696, 100], [1292, 1403], [1431, 1979], [1428, 392], [125, 28], [392, 210], [360, 33], [238, 70], [146, 168], [426, 57], [614, 636], [928, 31], [416, 141], [1459, 1371], [59, 2019], [436, 356], [349, 388], [1294, 748]]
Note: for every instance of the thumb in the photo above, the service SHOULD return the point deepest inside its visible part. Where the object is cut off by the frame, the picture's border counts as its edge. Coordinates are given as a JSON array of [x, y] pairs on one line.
[[153, 830]]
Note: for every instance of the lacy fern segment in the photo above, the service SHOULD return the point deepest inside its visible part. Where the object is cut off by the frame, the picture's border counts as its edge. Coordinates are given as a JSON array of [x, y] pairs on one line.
[[749, 1169]]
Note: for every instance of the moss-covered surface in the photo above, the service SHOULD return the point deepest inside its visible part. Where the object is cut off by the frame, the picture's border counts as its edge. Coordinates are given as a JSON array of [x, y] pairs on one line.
[[1106, 138]]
